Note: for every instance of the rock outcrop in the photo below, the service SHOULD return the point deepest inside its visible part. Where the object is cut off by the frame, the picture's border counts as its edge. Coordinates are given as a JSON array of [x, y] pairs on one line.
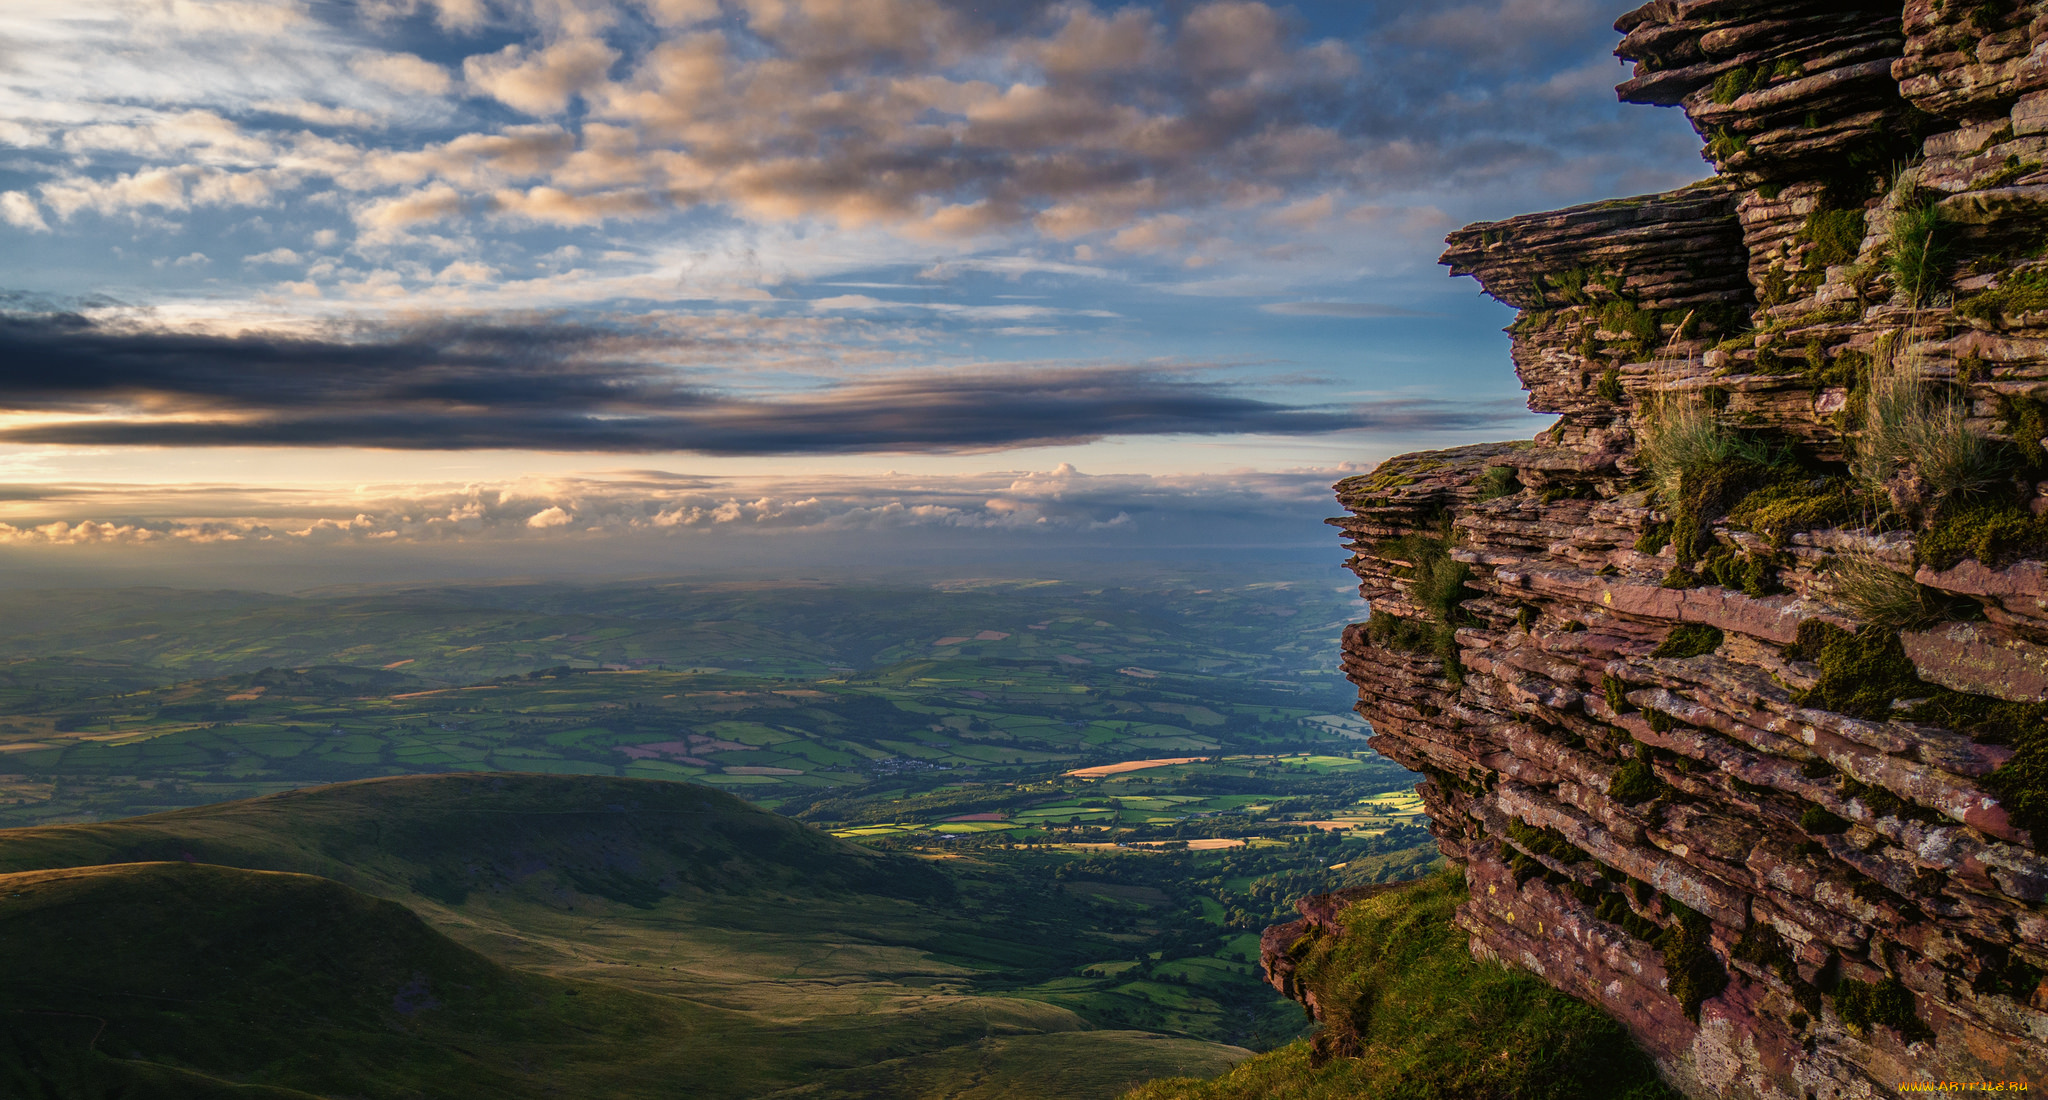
[[1750, 748]]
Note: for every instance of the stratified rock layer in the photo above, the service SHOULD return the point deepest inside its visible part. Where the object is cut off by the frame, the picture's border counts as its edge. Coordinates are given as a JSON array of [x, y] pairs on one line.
[[1634, 761]]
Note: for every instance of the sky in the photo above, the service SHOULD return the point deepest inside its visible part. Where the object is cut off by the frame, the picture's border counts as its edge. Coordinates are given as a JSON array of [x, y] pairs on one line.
[[294, 290]]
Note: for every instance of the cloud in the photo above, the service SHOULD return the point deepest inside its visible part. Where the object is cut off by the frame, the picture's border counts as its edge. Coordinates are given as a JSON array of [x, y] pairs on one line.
[[680, 13], [540, 83], [1341, 309], [387, 216], [557, 207], [402, 71], [993, 507], [19, 211], [546, 384], [319, 114]]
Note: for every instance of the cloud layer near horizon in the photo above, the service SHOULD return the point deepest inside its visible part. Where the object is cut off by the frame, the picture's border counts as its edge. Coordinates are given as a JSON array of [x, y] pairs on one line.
[[558, 385], [1167, 511]]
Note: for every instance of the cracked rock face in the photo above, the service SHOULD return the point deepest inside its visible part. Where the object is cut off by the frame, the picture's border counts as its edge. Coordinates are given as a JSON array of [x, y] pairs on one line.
[[1684, 785]]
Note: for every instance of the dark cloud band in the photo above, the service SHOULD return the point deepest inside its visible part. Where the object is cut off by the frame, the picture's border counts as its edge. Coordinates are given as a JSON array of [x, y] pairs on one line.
[[545, 384]]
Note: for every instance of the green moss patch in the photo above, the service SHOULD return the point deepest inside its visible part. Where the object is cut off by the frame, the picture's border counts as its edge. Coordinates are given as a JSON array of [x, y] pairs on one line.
[[1616, 692], [1995, 534], [2022, 782], [1693, 972], [1820, 821], [1609, 387], [1836, 236], [1783, 508], [1437, 584], [2024, 292], [1705, 495], [1755, 575], [1863, 673], [1635, 782], [1860, 673], [1545, 841], [1888, 1003], [1689, 640]]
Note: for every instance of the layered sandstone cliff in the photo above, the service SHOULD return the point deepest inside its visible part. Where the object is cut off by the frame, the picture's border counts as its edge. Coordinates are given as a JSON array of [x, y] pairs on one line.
[[1751, 747]]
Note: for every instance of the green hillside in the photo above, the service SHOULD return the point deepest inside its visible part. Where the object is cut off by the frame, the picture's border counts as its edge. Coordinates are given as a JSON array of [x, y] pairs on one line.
[[543, 839], [295, 981], [580, 926]]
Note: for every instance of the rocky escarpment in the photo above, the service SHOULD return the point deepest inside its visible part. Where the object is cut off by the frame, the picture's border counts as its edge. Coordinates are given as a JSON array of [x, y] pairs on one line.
[[1732, 688]]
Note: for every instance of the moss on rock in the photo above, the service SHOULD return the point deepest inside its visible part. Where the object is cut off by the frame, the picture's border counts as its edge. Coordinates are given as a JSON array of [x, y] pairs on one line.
[[1861, 674], [1994, 534], [1692, 971], [1689, 640]]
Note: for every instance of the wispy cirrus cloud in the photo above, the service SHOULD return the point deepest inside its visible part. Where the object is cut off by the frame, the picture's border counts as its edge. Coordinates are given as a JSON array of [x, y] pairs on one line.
[[1342, 309]]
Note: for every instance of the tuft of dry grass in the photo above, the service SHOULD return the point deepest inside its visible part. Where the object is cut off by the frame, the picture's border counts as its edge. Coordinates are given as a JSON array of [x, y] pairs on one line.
[[1878, 594], [1917, 447], [1682, 435]]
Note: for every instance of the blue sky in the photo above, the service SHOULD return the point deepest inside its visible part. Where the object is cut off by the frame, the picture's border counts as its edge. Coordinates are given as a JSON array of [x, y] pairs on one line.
[[317, 273]]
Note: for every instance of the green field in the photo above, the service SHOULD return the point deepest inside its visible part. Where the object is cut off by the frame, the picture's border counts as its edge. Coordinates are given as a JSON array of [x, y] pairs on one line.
[[117, 703]]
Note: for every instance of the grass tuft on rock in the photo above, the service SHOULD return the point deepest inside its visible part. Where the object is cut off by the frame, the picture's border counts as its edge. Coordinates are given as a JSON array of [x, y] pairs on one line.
[[1419, 1018], [1921, 244], [1918, 451], [1700, 468], [1437, 585], [1883, 597], [1496, 482]]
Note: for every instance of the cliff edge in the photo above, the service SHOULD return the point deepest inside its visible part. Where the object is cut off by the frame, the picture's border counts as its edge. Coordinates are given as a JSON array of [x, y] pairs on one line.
[[1732, 688]]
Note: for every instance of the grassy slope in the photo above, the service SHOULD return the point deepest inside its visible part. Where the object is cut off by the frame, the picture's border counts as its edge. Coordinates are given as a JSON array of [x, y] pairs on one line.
[[299, 982], [668, 887], [753, 923], [1433, 1023]]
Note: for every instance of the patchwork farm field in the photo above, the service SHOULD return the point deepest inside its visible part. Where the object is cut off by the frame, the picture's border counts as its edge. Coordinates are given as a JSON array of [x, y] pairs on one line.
[[113, 704]]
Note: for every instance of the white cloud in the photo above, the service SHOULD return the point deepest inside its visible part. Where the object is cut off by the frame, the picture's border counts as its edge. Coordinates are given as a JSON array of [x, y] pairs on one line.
[[540, 83], [320, 114], [404, 72], [20, 211]]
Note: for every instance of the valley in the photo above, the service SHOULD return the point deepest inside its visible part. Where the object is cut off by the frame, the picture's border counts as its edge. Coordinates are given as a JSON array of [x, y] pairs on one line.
[[992, 862]]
